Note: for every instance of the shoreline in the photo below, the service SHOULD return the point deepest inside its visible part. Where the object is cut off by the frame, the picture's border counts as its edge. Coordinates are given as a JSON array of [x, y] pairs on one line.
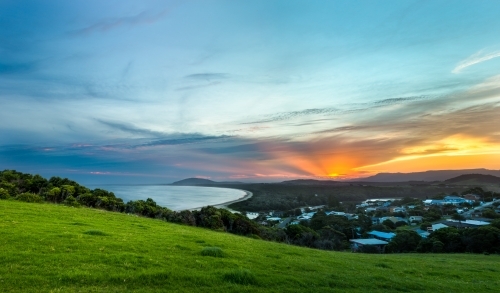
[[224, 205]]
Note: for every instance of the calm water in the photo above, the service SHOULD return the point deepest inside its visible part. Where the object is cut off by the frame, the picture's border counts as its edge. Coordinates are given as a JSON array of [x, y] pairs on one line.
[[175, 197]]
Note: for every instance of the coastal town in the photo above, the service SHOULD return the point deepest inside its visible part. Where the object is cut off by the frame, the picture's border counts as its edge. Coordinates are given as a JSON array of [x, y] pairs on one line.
[[376, 222]]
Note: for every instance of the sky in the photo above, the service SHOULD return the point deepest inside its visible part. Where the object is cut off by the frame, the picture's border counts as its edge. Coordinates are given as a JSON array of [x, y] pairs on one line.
[[259, 91]]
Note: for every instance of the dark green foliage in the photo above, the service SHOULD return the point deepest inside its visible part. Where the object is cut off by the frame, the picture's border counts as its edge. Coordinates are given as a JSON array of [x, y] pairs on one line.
[[4, 194], [240, 276], [425, 225], [390, 224], [483, 239], [212, 251], [478, 240], [433, 214], [71, 201], [404, 241], [29, 197], [301, 235], [496, 223], [489, 213]]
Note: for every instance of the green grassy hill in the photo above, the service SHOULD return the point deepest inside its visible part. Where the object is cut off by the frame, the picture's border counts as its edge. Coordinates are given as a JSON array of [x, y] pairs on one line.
[[54, 248]]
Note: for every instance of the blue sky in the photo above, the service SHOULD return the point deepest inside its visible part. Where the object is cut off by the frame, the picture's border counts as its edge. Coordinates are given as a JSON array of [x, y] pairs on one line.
[[156, 91]]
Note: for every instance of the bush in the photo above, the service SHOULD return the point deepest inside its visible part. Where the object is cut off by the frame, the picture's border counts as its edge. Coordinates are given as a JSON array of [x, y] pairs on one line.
[[29, 197], [212, 251], [240, 276], [4, 194], [71, 201]]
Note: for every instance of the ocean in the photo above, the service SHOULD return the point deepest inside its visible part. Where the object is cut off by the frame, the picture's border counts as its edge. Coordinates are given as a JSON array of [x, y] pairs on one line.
[[175, 197]]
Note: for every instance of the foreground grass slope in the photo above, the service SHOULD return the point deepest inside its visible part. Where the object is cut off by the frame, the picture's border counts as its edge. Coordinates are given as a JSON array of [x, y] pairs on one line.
[[54, 248]]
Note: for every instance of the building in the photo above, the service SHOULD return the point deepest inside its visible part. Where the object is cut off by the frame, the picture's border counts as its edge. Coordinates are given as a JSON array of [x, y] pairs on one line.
[[415, 219], [368, 245], [381, 235]]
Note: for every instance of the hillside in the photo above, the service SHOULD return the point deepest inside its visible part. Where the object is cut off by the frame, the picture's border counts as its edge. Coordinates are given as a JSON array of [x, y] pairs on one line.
[[54, 248], [311, 182], [201, 181], [474, 179], [193, 182], [437, 175]]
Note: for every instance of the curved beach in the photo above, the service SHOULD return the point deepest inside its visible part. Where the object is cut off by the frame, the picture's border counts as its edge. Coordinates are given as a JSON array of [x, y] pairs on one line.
[[224, 205]]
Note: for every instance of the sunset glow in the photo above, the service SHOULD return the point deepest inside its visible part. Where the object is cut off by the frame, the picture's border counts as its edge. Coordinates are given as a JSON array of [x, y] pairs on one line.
[[148, 91]]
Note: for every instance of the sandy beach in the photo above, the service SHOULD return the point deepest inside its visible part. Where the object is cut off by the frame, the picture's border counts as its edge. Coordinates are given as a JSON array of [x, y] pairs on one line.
[[224, 205]]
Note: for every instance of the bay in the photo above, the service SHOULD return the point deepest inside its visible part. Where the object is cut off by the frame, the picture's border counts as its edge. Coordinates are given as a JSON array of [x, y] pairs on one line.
[[176, 197]]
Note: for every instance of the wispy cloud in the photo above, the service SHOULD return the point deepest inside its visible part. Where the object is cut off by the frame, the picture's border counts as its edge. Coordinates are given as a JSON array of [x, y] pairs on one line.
[[476, 58], [105, 25], [348, 108], [207, 76], [131, 128]]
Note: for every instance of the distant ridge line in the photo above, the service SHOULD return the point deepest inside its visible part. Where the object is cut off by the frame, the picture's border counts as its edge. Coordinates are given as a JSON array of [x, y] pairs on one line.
[[434, 175]]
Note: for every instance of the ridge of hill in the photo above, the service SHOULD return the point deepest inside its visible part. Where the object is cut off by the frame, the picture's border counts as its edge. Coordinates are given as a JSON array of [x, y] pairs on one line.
[[193, 182], [433, 175], [311, 182], [474, 179], [201, 181], [48, 247]]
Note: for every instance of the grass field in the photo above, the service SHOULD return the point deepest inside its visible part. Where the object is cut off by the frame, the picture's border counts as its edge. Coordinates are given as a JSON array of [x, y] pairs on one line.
[[54, 248]]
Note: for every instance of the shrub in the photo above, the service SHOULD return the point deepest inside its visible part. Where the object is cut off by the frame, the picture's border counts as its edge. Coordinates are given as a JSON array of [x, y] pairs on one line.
[[240, 276], [71, 201], [212, 251], [29, 197], [4, 194]]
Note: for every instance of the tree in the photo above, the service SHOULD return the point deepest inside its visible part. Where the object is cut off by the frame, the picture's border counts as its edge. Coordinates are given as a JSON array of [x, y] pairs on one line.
[[54, 194], [389, 223], [482, 239], [458, 217], [404, 241], [489, 213], [4, 194]]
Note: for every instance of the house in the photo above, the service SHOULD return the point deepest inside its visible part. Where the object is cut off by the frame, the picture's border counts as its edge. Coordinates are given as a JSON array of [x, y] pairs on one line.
[[416, 219], [375, 221], [437, 226], [368, 245], [436, 202], [392, 219], [456, 200], [397, 210], [381, 235], [277, 213], [465, 224]]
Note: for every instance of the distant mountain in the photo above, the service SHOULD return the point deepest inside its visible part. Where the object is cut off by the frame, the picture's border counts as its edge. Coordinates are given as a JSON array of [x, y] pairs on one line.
[[474, 179], [200, 181], [193, 182], [310, 182], [437, 175]]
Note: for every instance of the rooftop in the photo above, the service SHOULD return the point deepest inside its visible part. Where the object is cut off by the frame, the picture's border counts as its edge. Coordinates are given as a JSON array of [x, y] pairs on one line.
[[370, 241]]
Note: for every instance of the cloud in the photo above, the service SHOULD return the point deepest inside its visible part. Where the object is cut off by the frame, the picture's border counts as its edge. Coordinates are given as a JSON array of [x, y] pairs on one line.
[[185, 139], [343, 109], [131, 129], [105, 25], [207, 76], [476, 58]]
